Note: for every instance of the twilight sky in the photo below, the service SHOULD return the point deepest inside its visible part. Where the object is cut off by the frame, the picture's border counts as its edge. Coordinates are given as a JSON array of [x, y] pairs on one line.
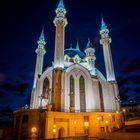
[[21, 22]]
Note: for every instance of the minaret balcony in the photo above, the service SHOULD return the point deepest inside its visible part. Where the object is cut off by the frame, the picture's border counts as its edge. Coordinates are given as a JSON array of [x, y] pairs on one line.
[[105, 41], [60, 21]]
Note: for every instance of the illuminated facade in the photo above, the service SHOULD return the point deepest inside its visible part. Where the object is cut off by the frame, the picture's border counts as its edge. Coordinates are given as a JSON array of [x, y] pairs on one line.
[[73, 81], [73, 93]]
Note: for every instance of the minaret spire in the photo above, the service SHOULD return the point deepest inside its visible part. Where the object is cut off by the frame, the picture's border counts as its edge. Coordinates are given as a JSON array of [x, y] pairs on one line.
[[61, 4], [42, 35], [105, 41], [77, 45], [103, 25]]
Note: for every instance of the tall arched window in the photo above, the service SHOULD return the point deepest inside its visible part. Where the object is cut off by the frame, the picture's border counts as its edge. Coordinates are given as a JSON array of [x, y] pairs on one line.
[[71, 91], [101, 97], [82, 93], [45, 88]]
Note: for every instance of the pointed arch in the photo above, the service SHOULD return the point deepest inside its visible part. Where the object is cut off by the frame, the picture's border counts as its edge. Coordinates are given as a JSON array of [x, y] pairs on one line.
[[61, 132], [82, 93], [101, 97], [46, 85], [72, 89]]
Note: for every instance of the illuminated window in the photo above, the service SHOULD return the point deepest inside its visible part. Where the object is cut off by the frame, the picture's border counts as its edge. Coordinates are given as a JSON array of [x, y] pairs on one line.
[[82, 93], [71, 91]]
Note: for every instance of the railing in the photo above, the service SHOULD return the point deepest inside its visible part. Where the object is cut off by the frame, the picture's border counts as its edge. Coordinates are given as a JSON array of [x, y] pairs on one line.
[[89, 110]]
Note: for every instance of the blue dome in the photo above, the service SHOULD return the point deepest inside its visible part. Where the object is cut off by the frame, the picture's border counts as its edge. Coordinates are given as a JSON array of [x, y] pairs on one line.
[[71, 52]]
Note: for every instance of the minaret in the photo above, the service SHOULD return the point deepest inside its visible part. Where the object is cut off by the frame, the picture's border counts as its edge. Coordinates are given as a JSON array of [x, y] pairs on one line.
[[90, 57], [60, 22], [40, 51], [105, 41]]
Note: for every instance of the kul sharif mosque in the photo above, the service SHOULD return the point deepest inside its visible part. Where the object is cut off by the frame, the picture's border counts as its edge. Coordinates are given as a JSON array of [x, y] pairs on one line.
[[73, 95]]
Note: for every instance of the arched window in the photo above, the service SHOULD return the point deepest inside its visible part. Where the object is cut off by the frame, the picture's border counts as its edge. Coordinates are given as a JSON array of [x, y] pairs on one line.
[[101, 97], [45, 88], [71, 91], [82, 93]]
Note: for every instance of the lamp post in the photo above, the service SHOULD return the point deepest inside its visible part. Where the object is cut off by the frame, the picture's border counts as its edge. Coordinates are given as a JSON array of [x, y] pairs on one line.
[[124, 114], [118, 120], [75, 122]]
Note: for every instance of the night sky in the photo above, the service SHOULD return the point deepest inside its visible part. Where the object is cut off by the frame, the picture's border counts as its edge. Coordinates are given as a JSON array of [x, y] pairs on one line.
[[21, 23]]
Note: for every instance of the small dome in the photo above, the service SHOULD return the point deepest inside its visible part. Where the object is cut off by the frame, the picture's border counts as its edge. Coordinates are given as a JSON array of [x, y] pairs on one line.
[[71, 52]]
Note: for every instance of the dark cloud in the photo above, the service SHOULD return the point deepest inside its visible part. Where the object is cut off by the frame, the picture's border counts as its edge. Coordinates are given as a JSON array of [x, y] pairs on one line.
[[21, 88], [129, 80], [6, 113]]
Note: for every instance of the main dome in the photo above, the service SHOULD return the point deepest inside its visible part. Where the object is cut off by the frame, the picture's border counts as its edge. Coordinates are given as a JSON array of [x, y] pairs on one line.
[[71, 52]]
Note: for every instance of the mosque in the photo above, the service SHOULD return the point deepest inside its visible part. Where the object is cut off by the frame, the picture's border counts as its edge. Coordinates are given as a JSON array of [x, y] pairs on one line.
[[71, 97]]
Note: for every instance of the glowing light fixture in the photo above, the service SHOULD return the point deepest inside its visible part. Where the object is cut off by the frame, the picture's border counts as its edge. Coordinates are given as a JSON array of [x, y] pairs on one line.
[[117, 112], [54, 125], [109, 115], [86, 124], [75, 122], [98, 118], [106, 121], [54, 130], [33, 129], [124, 110]]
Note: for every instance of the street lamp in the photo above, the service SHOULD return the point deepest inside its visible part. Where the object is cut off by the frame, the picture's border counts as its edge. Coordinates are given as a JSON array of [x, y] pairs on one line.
[[124, 114]]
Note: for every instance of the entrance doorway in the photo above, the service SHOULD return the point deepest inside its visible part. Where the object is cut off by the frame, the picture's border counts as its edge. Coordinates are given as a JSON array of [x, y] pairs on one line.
[[61, 133]]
